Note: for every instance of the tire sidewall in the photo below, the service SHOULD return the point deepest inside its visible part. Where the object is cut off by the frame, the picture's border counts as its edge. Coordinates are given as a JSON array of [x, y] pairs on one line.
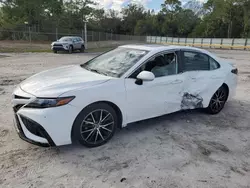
[[82, 48], [81, 116], [210, 110], [70, 49]]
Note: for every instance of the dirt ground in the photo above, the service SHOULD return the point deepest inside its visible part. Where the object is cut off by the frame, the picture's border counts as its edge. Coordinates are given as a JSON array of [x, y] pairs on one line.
[[185, 149]]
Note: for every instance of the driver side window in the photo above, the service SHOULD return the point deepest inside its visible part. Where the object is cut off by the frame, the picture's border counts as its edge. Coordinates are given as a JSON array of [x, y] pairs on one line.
[[161, 65]]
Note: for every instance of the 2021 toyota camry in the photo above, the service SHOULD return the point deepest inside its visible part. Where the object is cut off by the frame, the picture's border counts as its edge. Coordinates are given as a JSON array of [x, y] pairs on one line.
[[89, 101]]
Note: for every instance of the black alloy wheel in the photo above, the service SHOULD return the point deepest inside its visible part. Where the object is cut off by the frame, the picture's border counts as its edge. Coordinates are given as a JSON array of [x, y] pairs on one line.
[[218, 101], [95, 125]]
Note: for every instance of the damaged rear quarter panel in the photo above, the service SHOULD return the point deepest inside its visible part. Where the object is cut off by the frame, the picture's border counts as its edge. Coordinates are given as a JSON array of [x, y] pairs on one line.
[[191, 101], [199, 87]]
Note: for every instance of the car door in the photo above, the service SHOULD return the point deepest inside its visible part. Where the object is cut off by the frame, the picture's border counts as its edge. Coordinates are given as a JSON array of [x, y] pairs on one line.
[[79, 43], [75, 43], [157, 97], [203, 77]]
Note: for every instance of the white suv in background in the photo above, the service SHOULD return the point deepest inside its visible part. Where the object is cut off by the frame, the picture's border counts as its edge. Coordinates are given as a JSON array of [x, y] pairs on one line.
[[69, 44]]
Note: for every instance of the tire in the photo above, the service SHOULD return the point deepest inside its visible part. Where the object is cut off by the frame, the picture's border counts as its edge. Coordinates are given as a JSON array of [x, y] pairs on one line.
[[70, 49], [95, 125], [55, 51], [82, 49], [218, 101]]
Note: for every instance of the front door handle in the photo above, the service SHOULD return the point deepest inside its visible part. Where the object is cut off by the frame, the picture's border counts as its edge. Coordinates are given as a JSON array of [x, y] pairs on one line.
[[176, 82]]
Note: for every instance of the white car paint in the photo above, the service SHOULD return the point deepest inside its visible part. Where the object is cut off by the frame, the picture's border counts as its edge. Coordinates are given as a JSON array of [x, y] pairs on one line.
[[161, 96], [52, 83]]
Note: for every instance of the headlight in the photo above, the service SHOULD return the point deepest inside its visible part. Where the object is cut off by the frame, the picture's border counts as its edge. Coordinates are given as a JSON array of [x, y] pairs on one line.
[[47, 103], [65, 45]]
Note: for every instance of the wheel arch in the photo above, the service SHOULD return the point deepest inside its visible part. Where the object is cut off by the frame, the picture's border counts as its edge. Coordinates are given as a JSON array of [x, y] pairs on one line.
[[227, 88], [113, 105]]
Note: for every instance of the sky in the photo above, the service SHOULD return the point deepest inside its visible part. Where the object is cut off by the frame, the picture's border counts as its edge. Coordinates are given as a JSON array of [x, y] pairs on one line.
[[118, 4]]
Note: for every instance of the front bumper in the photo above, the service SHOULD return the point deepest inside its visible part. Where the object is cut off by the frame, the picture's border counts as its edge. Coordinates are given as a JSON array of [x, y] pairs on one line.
[[59, 48], [39, 128], [46, 127], [43, 127]]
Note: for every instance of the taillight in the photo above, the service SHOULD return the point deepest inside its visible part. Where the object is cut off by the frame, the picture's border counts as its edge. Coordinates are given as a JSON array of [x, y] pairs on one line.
[[234, 71]]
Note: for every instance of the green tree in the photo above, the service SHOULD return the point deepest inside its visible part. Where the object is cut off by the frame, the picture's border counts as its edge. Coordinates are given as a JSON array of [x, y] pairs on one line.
[[186, 22], [131, 14]]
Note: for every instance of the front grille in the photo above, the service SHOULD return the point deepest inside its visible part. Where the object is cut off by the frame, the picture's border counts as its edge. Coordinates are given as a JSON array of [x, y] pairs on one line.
[[58, 45], [17, 107], [20, 97], [33, 127]]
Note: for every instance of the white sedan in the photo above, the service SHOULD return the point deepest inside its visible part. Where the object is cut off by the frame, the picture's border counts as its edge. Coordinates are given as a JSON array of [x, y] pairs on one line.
[[88, 102]]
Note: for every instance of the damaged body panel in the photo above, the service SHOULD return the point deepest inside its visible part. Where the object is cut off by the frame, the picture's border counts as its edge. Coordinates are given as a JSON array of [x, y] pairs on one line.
[[201, 85], [191, 101]]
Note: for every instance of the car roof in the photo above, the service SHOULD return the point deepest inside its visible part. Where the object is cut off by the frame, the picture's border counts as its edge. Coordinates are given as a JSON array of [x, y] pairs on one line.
[[158, 47], [71, 36]]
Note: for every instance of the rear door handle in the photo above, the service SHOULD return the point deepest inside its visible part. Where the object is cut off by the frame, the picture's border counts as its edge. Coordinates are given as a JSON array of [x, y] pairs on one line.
[[168, 83], [215, 76]]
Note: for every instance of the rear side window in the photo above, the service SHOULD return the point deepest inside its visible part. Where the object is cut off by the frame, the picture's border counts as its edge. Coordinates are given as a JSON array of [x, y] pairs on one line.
[[195, 61], [213, 64]]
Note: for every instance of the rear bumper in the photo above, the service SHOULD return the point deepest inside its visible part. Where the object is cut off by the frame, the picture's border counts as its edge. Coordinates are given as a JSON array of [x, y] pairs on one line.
[[232, 83]]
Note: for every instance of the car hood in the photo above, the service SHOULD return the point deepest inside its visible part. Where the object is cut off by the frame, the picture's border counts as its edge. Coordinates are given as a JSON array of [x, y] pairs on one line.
[[54, 82], [61, 42]]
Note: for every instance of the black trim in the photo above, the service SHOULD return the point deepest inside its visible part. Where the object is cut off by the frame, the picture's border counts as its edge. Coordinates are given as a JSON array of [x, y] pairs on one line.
[[234, 71], [179, 65], [17, 107], [20, 97], [58, 49], [23, 137]]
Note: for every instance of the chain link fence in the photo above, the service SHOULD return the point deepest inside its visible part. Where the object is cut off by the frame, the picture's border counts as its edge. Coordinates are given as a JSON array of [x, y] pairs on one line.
[[223, 43], [92, 36]]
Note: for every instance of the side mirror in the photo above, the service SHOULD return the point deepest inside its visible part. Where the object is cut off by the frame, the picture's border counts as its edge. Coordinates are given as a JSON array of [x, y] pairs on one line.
[[144, 76]]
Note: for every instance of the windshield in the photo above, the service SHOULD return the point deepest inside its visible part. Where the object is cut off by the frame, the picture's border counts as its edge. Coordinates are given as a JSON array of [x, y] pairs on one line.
[[65, 39], [115, 62]]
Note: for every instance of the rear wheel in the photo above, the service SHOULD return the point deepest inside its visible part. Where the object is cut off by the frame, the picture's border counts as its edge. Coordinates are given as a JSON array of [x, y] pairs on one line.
[[55, 51], [95, 125], [82, 48], [218, 100]]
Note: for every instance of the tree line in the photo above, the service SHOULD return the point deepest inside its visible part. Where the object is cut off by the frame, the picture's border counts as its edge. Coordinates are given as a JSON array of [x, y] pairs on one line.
[[215, 18]]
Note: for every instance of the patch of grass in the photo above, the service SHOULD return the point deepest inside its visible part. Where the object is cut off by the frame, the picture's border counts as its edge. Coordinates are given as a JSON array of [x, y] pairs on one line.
[[23, 50], [2, 56], [103, 49]]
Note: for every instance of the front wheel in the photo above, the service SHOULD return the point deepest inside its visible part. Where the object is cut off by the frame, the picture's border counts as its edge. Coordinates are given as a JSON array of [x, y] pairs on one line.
[[218, 101], [70, 49], [95, 125]]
